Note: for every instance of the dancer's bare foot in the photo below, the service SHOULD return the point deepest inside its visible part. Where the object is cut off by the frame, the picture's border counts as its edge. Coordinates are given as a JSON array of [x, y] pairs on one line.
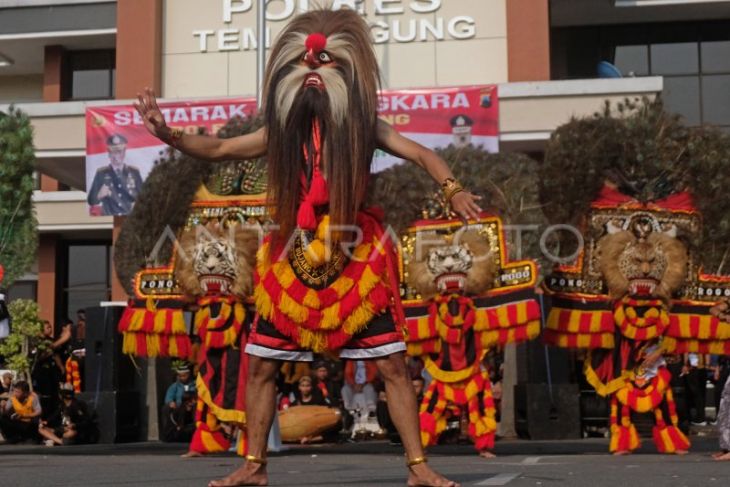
[[621, 453], [191, 454], [422, 475], [487, 454], [681, 452], [722, 457], [249, 474]]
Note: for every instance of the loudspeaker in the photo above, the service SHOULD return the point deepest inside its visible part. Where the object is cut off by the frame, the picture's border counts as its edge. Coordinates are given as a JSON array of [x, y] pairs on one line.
[[117, 415], [540, 416], [106, 367], [594, 409]]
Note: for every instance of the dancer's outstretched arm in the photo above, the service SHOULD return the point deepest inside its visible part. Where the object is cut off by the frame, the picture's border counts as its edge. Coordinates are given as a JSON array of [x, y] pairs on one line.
[[199, 146], [464, 203]]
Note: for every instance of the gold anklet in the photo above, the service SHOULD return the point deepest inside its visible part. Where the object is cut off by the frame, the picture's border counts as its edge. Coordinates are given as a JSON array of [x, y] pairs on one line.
[[253, 459], [416, 461]]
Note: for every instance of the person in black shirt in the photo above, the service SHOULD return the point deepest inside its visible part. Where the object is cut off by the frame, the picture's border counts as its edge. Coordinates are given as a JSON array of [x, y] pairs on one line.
[[307, 394], [71, 424], [48, 369], [330, 391]]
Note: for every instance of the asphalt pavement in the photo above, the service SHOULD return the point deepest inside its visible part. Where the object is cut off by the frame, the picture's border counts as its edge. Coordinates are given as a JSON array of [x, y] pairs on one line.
[[519, 463]]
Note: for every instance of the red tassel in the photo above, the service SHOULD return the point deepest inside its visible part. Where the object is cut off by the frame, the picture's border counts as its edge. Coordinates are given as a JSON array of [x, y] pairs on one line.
[[318, 193], [306, 219]]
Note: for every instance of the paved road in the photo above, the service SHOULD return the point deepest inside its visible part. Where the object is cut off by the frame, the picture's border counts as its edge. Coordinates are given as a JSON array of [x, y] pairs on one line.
[[520, 464]]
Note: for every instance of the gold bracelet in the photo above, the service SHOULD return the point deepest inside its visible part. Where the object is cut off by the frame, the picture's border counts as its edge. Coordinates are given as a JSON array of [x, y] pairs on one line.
[[416, 461], [453, 193], [451, 187], [176, 134]]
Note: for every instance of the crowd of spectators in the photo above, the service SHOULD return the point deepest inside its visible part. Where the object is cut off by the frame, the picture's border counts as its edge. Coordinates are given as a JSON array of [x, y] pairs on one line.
[[46, 408], [354, 388]]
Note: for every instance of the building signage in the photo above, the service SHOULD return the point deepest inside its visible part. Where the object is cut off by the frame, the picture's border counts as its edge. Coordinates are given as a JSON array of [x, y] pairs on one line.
[[399, 21]]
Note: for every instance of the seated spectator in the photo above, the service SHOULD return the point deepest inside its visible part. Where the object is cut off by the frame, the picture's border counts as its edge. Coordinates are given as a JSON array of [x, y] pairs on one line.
[[359, 389], [20, 418], [178, 424], [183, 384], [307, 394], [327, 387], [419, 386], [289, 375], [360, 398], [322, 424], [72, 424]]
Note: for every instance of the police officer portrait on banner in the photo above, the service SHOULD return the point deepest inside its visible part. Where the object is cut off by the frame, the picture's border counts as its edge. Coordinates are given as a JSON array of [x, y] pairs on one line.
[[115, 186]]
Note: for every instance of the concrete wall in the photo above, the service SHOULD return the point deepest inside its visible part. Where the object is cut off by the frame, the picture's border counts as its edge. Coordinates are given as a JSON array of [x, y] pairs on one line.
[[481, 58], [21, 88], [65, 211]]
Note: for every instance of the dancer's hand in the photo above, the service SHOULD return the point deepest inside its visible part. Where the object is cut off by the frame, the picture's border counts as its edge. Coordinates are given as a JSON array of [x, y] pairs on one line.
[[146, 105], [465, 205]]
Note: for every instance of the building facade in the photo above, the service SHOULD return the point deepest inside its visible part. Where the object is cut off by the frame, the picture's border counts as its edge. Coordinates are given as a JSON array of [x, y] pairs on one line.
[[58, 57]]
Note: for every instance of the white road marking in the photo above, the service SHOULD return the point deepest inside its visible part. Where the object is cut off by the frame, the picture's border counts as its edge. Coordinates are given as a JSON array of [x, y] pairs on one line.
[[531, 461], [528, 462], [500, 479]]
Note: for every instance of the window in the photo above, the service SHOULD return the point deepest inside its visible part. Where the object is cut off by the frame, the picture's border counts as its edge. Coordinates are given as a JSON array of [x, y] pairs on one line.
[[23, 290], [90, 74], [87, 277], [632, 60], [693, 58]]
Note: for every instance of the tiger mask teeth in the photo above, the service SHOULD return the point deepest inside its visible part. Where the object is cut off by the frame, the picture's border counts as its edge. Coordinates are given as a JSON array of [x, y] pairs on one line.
[[451, 282]]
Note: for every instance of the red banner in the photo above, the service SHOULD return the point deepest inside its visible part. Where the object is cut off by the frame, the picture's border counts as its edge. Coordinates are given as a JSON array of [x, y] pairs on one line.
[[439, 117], [120, 152]]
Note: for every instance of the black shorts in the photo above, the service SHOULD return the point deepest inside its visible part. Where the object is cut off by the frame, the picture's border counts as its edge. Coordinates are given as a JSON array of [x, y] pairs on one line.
[[382, 337]]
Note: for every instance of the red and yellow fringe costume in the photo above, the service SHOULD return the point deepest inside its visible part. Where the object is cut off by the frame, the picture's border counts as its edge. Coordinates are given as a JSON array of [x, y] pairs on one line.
[[324, 318], [655, 394], [220, 324], [327, 318], [453, 333], [153, 328], [615, 376], [474, 394]]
